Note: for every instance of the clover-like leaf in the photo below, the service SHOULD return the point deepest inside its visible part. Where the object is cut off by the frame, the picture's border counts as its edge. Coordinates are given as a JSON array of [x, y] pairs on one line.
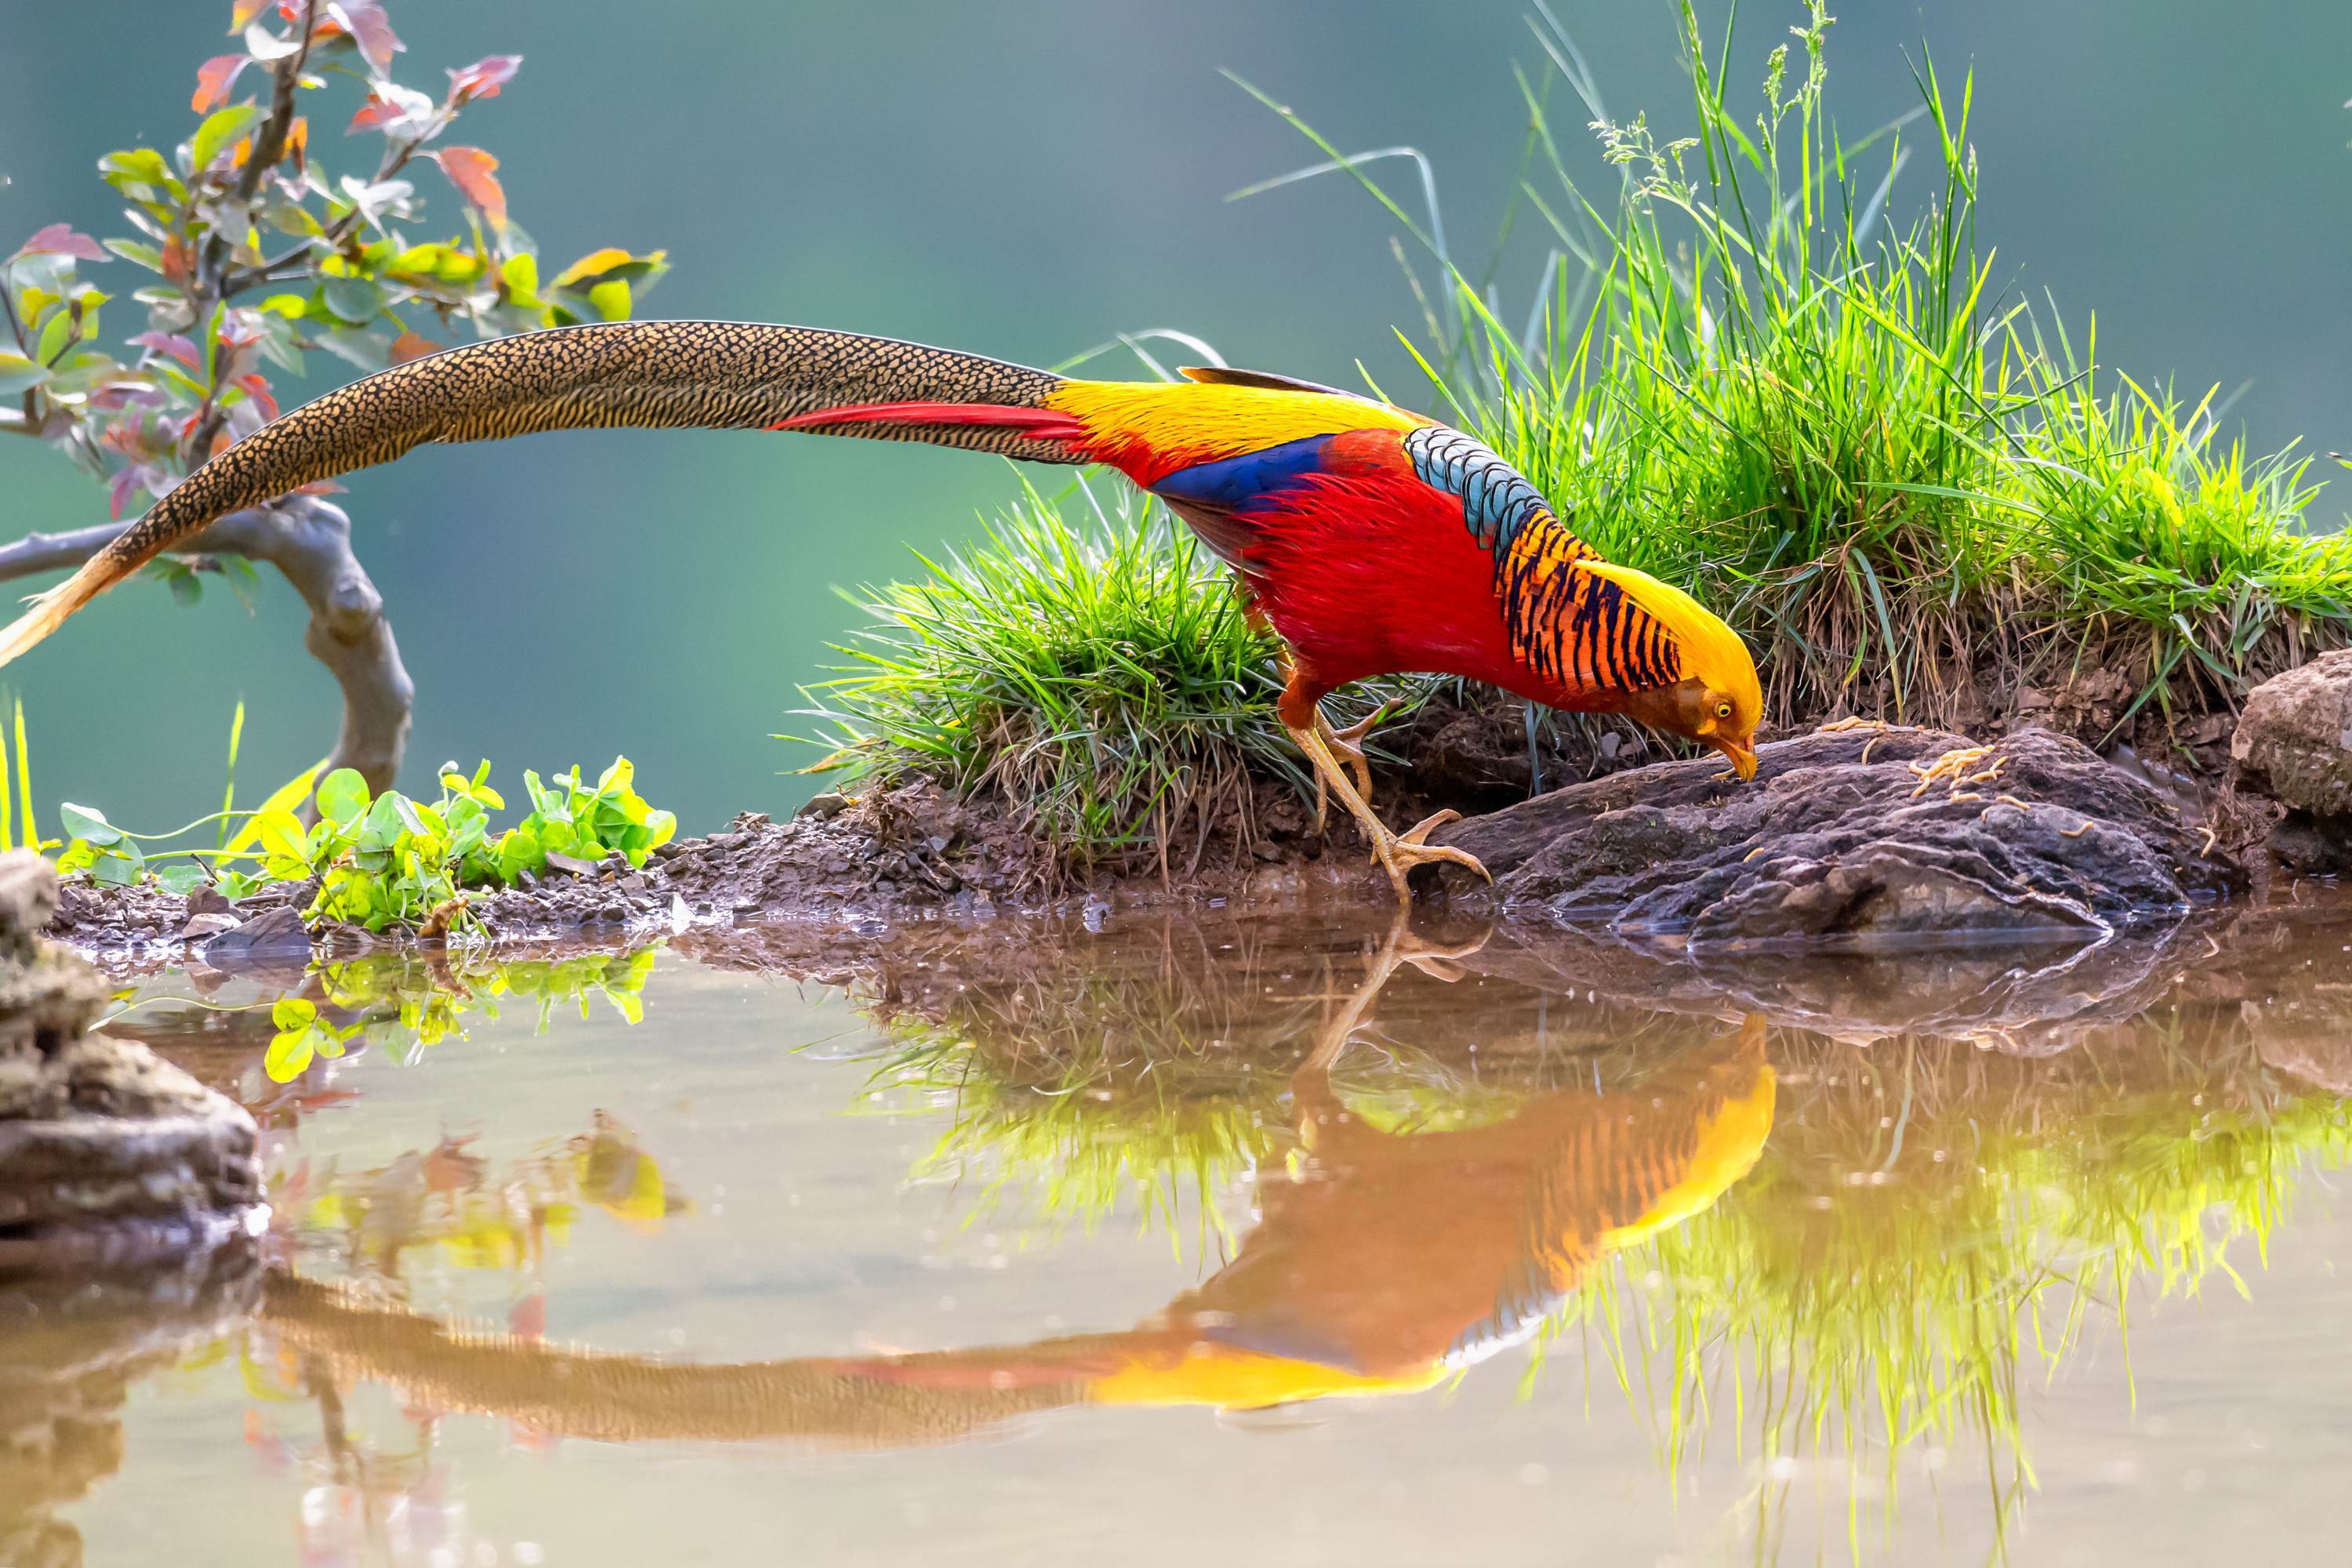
[[342, 796], [87, 823]]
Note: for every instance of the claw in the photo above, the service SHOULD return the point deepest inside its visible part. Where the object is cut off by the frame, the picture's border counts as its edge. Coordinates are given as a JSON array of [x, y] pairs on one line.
[[1399, 853]]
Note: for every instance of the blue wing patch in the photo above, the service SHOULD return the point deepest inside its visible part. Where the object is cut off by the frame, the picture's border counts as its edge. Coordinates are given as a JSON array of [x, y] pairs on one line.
[[1231, 484], [1496, 501]]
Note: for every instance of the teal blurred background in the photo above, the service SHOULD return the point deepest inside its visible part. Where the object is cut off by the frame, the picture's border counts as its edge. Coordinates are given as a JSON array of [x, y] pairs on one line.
[[1026, 178]]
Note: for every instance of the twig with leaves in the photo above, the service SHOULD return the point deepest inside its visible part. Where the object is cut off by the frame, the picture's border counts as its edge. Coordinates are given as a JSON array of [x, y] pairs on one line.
[[225, 312]]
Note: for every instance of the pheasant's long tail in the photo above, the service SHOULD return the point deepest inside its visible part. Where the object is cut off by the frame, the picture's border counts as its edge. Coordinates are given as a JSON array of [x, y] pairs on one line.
[[700, 375]]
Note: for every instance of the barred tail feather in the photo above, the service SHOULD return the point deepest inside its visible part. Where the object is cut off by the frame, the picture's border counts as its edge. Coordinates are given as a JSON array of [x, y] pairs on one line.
[[651, 374]]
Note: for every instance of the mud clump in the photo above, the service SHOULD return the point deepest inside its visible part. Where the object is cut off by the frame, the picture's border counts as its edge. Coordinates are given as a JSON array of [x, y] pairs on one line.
[[1860, 833]]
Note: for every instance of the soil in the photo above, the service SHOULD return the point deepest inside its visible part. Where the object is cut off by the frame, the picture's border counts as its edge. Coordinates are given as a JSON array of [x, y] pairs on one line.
[[914, 851]]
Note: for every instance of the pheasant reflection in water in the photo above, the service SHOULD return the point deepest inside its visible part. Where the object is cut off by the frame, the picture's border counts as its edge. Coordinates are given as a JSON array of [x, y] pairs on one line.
[[1384, 1261]]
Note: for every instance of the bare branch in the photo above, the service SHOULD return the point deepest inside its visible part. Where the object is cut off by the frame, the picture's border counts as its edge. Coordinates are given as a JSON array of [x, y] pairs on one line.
[[38, 552], [310, 542]]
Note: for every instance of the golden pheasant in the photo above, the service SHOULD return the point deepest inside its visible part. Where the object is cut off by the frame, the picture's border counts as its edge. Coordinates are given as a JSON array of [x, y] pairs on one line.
[[1372, 540]]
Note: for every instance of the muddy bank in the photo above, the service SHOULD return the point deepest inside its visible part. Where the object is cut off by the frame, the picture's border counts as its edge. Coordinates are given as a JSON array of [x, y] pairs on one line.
[[1855, 833]]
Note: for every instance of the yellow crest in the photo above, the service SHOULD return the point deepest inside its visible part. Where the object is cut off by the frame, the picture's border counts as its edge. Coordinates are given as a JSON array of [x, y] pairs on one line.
[[1710, 648]]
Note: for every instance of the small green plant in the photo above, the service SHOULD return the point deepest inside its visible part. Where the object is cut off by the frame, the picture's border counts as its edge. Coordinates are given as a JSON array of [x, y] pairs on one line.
[[1104, 678], [386, 859]]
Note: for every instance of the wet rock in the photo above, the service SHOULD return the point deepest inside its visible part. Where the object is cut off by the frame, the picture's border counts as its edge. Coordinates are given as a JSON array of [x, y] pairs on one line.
[[2293, 746], [1856, 836], [107, 1152], [2295, 740], [274, 933]]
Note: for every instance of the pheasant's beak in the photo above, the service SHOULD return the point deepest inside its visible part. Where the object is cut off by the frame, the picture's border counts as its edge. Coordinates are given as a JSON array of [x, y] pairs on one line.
[[1743, 757]]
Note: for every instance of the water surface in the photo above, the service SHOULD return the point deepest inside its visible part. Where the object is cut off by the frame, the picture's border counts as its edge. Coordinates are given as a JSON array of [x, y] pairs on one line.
[[1242, 1242]]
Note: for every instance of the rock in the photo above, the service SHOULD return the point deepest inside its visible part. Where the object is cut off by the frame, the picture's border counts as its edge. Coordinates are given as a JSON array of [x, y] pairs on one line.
[[107, 1152], [829, 803], [2293, 746], [1856, 836], [274, 933], [2294, 739]]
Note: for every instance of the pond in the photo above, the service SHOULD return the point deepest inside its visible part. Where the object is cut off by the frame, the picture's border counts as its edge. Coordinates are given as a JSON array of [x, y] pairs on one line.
[[1257, 1241]]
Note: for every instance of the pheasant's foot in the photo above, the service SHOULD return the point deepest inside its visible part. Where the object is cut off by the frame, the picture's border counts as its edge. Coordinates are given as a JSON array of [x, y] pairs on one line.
[[1399, 853]]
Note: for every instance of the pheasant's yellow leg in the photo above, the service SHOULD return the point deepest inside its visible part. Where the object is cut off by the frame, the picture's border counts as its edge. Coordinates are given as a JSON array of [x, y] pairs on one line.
[[1348, 745], [1344, 745], [1310, 1085], [1397, 852]]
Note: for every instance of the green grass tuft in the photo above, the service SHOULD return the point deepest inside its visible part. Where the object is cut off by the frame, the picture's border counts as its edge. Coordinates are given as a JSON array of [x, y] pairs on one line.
[[1101, 677], [1906, 488]]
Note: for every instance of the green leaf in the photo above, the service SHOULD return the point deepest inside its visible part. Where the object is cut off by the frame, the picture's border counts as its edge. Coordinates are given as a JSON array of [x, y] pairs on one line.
[[53, 337], [342, 796], [522, 275], [288, 1054], [19, 374], [220, 127], [141, 167], [145, 255], [182, 877], [282, 835], [89, 824], [293, 1012], [358, 300], [383, 826], [611, 300]]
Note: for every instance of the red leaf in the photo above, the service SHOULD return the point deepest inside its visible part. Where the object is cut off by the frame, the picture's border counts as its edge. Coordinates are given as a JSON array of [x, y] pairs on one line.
[[390, 105], [256, 388], [171, 343], [60, 239], [365, 21], [241, 13], [179, 260], [214, 78], [409, 346], [374, 115], [469, 169], [483, 78]]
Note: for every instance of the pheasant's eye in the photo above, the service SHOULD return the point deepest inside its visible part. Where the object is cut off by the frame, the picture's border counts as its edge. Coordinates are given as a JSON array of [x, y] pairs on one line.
[[1723, 710]]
